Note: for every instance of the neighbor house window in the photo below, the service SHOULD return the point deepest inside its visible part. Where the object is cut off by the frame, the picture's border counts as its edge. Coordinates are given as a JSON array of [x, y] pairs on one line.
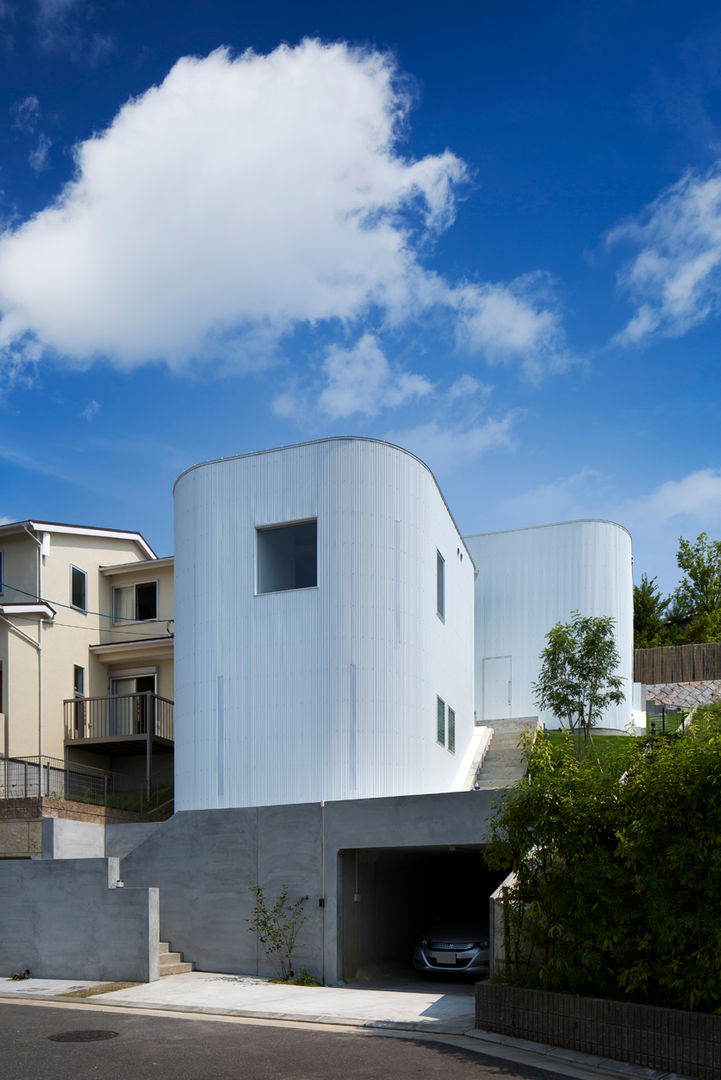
[[451, 730], [135, 603], [78, 588], [1, 571], [288, 557], [441, 721], [440, 585], [78, 681]]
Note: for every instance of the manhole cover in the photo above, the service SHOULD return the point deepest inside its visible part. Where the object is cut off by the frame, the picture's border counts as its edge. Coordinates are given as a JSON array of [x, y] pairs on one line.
[[93, 1035]]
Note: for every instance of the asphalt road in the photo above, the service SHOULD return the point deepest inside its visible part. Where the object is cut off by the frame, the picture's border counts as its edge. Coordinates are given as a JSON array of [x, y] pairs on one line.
[[196, 1048]]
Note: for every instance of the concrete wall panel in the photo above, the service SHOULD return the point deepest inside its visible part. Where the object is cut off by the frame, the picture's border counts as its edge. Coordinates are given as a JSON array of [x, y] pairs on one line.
[[61, 921]]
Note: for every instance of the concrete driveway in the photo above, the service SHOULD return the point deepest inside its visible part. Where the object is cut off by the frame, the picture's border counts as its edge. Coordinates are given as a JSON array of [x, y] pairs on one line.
[[426, 1007]]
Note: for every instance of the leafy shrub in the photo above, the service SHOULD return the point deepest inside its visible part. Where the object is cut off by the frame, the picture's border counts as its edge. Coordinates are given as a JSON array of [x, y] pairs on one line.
[[618, 869]]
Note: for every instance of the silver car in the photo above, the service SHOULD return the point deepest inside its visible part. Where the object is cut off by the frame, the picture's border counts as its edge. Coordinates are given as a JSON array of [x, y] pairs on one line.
[[452, 949]]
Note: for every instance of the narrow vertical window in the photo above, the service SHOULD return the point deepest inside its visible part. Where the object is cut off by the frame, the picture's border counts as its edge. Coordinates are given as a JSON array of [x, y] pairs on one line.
[[441, 721], [79, 681], [451, 730], [78, 588], [1, 571], [440, 585]]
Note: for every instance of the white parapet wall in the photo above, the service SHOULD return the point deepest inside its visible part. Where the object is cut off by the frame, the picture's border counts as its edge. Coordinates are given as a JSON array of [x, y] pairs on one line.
[[314, 648], [530, 579]]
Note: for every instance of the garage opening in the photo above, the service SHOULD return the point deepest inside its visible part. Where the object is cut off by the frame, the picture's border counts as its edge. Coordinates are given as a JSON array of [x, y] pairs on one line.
[[390, 897]]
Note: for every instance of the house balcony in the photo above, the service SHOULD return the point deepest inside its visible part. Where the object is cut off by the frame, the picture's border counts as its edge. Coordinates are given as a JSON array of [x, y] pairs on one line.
[[120, 725]]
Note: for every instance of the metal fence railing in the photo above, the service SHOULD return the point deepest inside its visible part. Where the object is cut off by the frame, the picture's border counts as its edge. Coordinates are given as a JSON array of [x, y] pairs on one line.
[[33, 778], [48, 777], [118, 716]]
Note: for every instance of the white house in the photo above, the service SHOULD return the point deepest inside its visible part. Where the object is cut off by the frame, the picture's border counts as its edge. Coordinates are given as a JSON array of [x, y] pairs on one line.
[[324, 614], [326, 637], [530, 579]]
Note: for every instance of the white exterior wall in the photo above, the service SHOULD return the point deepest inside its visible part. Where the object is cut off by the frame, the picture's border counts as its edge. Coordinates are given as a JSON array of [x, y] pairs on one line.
[[530, 579], [326, 692]]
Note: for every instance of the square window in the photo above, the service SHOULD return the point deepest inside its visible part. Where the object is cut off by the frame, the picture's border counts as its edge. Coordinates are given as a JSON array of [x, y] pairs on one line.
[[440, 585], [441, 721], [451, 730], [288, 557], [78, 588]]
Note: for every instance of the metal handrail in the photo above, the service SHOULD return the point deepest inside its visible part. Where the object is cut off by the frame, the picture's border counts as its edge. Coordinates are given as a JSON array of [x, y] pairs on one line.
[[119, 716]]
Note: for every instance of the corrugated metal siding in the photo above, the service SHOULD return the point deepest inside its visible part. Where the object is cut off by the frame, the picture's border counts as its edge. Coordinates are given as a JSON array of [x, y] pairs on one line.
[[529, 579], [326, 693]]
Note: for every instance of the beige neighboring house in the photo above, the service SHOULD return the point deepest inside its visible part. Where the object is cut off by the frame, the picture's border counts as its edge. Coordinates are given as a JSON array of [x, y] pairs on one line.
[[86, 661]]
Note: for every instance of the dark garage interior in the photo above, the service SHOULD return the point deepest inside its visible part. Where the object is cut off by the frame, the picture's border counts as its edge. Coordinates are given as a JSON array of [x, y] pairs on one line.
[[390, 896]]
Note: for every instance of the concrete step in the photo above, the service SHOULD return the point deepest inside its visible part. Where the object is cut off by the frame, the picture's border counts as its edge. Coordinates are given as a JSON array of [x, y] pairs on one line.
[[175, 969], [170, 958], [172, 963]]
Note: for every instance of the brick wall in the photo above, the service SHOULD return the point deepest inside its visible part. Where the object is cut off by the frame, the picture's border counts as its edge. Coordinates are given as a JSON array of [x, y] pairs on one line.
[[669, 1039]]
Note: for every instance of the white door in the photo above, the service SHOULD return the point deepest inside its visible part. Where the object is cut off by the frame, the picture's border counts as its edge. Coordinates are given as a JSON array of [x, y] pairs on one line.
[[496, 688]]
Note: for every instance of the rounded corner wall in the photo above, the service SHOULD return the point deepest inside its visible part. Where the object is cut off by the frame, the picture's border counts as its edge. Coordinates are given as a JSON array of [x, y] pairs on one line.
[[309, 651], [530, 579]]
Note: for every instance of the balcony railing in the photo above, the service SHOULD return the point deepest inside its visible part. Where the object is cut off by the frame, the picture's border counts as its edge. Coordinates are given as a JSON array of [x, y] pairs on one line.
[[119, 717]]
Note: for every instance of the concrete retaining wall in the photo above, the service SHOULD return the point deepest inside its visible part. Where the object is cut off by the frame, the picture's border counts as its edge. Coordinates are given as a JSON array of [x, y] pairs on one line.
[[668, 1039], [66, 839], [203, 861], [64, 919]]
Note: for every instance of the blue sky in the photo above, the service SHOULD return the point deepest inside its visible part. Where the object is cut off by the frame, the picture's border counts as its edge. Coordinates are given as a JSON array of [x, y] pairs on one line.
[[491, 233]]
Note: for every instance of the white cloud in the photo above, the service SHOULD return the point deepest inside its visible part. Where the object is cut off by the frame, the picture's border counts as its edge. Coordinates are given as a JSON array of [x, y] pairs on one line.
[[91, 410], [242, 198], [513, 322], [655, 518], [443, 445], [39, 156], [696, 496], [360, 380], [676, 276], [575, 496], [26, 113], [466, 387], [63, 26]]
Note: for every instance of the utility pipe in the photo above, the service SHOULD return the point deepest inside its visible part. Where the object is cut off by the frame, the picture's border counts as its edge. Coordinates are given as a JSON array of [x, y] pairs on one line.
[[40, 647]]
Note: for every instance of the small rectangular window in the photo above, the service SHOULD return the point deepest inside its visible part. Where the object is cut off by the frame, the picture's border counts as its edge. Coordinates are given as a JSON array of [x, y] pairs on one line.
[[79, 681], [441, 721], [288, 557], [440, 585], [78, 588], [1, 571], [451, 730], [146, 601]]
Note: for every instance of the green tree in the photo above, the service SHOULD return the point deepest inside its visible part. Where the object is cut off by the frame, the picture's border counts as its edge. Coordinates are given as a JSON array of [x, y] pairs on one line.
[[277, 926], [577, 680], [697, 599], [649, 625]]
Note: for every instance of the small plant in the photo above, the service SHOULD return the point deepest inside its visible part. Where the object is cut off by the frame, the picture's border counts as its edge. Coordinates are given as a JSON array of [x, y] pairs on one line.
[[304, 979], [277, 926], [17, 976]]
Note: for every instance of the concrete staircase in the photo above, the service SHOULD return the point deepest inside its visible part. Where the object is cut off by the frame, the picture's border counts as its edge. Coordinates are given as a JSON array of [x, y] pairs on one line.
[[172, 963], [504, 763]]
